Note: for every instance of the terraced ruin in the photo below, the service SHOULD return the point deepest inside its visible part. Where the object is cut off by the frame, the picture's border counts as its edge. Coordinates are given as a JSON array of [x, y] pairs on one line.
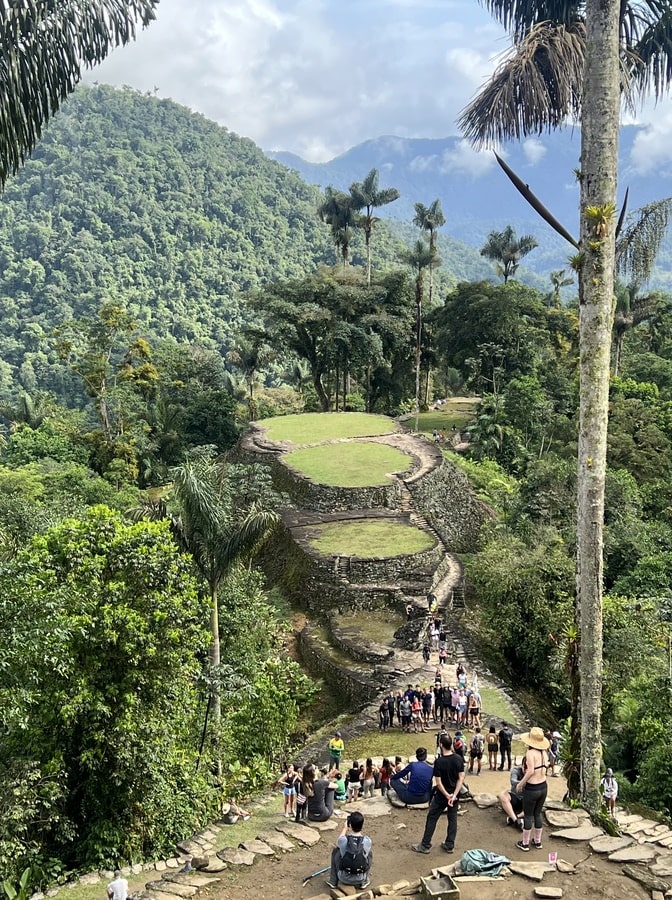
[[353, 553]]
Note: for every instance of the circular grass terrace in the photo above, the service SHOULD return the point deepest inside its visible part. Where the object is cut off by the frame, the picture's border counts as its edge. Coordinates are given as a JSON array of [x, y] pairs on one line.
[[368, 538], [314, 428], [359, 464]]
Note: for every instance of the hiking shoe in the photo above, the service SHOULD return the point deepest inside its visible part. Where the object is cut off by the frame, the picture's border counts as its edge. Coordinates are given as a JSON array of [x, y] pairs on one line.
[[524, 847], [420, 848], [447, 848], [537, 845], [510, 821], [363, 886]]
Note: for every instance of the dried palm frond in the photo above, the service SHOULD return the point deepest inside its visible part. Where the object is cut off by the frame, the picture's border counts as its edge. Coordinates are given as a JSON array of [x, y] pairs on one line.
[[536, 89]]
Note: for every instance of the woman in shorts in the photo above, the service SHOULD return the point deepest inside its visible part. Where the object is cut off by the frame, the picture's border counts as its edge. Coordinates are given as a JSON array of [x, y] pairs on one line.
[[288, 782]]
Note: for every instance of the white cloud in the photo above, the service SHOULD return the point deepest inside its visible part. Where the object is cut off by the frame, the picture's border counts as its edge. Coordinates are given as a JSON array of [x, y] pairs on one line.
[[424, 163], [652, 147], [534, 151], [464, 159], [314, 76]]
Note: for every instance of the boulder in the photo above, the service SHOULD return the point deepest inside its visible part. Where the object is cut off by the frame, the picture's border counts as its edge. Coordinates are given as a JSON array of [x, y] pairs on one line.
[[300, 833], [233, 856], [485, 801], [607, 844], [276, 840], [258, 847], [582, 833], [564, 818], [635, 853]]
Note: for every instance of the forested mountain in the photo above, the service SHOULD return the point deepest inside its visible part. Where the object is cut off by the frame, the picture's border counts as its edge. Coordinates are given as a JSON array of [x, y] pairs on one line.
[[138, 201], [477, 197]]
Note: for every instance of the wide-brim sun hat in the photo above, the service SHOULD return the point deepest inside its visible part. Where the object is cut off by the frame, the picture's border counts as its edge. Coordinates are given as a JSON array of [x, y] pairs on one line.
[[535, 738]]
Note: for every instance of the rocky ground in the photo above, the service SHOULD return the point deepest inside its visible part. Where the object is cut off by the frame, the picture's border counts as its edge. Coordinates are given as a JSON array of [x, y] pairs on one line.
[[588, 870]]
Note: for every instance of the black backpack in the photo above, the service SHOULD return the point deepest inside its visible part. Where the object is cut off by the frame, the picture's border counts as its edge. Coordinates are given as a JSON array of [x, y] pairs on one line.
[[354, 861]]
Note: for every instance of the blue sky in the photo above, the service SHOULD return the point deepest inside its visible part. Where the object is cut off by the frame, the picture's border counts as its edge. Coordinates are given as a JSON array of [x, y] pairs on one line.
[[319, 76]]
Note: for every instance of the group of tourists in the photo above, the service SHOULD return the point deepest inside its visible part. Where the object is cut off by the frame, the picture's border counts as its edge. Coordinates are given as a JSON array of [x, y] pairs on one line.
[[416, 708]]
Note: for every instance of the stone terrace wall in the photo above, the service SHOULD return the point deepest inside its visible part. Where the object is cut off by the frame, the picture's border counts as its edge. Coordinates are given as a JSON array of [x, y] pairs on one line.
[[449, 502], [306, 494], [356, 686]]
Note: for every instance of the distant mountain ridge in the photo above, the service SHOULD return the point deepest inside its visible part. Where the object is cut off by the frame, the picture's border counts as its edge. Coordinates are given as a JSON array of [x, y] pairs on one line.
[[476, 195]]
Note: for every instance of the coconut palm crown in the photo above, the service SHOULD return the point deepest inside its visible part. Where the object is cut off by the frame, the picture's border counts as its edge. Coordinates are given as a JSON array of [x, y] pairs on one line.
[[538, 85]]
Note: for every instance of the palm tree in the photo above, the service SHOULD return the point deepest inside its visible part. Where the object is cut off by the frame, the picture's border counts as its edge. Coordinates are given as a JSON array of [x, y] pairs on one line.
[[559, 280], [250, 354], [429, 218], [540, 85], [366, 195], [420, 258], [506, 250], [336, 210], [44, 46], [217, 534], [631, 310], [574, 60]]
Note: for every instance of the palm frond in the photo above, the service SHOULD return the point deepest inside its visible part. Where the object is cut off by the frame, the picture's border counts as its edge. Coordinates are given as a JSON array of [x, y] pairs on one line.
[[646, 35], [519, 16], [638, 245], [44, 47], [535, 90]]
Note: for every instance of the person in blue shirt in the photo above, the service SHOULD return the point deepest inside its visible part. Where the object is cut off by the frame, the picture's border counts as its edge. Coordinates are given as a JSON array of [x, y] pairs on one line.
[[413, 784]]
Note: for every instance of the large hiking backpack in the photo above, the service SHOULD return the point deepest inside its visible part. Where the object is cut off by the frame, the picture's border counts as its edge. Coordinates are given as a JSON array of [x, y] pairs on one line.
[[354, 861]]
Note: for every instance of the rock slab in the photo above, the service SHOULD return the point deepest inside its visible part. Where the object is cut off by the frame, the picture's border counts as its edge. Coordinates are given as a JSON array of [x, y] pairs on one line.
[[562, 818], [261, 848], [276, 840], [307, 836], [533, 870], [236, 857], [582, 833], [551, 893], [636, 853], [607, 844]]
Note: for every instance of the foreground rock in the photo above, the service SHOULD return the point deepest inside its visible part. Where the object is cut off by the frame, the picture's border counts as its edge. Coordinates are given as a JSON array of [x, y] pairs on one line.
[[582, 833]]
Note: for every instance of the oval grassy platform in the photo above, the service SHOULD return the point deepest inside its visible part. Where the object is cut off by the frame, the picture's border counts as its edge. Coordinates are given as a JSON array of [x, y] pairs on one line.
[[366, 538], [313, 428], [349, 465]]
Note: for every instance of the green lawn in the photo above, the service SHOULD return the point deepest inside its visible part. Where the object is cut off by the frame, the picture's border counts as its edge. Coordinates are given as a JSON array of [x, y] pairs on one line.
[[369, 537], [349, 465], [453, 415], [313, 428]]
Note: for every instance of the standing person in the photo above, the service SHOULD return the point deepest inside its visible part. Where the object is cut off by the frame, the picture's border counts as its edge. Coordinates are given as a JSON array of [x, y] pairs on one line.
[[533, 786], [288, 783], [353, 782], [321, 804], [352, 857], [416, 713], [336, 748], [448, 778], [385, 771], [476, 751], [384, 714], [609, 787], [406, 709], [553, 753], [369, 778], [397, 706], [505, 738], [307, 775], [427, 705], [425, 653], [491, 741], [443, 655], [117, 889], [414, 782]]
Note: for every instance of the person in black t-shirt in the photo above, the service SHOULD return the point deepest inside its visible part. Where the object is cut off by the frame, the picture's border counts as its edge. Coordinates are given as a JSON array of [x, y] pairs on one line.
[[448, 780]]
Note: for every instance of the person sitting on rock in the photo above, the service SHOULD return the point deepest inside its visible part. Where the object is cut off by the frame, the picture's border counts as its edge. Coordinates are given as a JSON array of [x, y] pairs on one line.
[[321, 804], [232, 812], [511, 801], [352, 857], [414, 783]]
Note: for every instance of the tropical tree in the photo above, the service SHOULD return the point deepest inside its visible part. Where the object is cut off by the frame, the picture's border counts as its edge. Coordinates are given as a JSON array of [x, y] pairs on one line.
[[568, 63], [336, 210], [250, 354], [217, 528], [429, 218], [506, 250], [420, 258], [559, 280], [45, 46], [632, 308], [367, 195]]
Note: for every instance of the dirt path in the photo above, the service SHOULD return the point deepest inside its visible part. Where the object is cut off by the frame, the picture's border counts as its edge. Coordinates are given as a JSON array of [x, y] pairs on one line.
[[395, 830]]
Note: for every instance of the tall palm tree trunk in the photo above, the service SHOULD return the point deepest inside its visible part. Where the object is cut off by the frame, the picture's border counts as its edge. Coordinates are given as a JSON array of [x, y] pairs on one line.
[[599, 159], [418, 345], [214, 664]]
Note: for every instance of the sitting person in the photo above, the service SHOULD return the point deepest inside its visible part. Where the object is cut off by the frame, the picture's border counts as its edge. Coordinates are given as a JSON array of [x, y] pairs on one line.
[[511, 801], [352, 856], [321, 803], [413, 784], [234, 812]]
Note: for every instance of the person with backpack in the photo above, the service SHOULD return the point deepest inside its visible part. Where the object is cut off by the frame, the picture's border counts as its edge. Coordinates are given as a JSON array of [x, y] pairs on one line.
[[352, 857], [476, 751], [505, 738], [458, 744], [491, 741], [609, 787]]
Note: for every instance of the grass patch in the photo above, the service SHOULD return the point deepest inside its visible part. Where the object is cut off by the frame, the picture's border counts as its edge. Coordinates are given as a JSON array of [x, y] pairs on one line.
[[392, 743], [455, 414], [349, 465], [313, 428], [366, 538], [495, 708]]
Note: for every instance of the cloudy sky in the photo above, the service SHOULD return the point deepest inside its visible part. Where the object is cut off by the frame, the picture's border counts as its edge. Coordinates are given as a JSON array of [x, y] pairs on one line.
[[319, 76]]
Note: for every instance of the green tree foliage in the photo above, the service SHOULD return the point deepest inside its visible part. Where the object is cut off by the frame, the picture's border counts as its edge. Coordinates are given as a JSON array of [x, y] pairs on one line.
[[367, 196], [506, 250], [45, 46], [99, 690], [342, 327]]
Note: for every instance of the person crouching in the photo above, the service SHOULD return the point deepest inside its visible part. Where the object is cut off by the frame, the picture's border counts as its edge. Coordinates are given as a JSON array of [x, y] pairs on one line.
[[352, 857]]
